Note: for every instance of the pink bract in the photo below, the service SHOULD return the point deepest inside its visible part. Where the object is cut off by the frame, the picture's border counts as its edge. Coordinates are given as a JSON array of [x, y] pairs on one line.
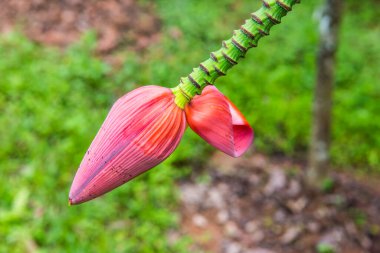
[[142, 129], [213, 117]]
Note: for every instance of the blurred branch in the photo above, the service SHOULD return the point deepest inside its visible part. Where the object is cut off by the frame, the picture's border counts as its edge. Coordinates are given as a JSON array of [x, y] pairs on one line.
[[322, 107]]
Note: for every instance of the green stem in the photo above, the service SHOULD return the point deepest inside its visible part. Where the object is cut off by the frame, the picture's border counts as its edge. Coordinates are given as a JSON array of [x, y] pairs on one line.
[[232, 50]]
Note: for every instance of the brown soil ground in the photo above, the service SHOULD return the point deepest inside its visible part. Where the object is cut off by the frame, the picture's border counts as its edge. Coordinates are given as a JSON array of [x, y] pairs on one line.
[[260, 205], [61, 22]]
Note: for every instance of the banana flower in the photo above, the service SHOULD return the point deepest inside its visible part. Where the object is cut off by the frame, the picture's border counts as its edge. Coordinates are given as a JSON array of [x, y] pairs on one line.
[[146, 125]]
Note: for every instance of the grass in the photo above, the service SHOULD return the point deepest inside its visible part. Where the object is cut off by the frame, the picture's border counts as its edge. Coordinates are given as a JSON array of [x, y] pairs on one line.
[[52, 104]]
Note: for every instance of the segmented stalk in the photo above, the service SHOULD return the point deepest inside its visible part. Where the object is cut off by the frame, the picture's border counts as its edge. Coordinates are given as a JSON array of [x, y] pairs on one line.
[[232, 50]]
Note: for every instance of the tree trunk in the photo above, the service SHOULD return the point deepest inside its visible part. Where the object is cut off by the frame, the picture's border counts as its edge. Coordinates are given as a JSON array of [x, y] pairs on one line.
[[320, 138]]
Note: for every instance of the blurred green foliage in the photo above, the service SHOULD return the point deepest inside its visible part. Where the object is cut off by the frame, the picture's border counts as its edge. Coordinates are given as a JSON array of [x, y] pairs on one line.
[[325, 248], [52, 104], [274, 85]]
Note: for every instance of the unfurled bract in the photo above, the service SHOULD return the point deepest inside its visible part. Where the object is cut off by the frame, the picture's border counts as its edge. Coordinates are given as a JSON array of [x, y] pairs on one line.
[[213, 117]]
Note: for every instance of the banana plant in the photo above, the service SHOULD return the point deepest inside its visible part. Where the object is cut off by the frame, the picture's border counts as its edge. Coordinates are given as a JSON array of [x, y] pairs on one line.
[[146, 125]]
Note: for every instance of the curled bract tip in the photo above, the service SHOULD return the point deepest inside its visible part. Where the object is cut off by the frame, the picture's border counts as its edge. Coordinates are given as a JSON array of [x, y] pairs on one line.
[[217, 120]]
